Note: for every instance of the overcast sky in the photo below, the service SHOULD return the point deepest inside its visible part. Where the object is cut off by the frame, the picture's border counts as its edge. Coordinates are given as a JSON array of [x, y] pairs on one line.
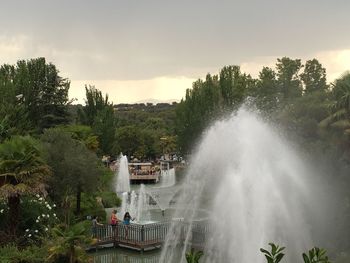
[[136, 50]]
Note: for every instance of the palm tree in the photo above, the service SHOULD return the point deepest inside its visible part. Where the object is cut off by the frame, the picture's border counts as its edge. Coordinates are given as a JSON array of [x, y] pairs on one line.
[[68, 243], [22, 171], [340, 109]]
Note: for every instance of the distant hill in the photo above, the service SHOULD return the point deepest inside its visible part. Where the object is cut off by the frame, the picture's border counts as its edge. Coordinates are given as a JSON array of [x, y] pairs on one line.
[[150, 107], [155, 101]]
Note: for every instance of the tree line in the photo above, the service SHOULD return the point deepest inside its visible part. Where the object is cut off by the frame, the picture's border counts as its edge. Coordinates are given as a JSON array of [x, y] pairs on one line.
[[293, 94]]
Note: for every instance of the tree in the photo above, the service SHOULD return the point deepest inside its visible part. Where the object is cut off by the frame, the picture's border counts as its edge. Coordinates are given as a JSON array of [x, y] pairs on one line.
[[288, 79], [340, 108], [22, 171], [94, 103], [339, 115], [233, 85], [84, 134], [266, 91], [314, 76], [13, 114], [129, 140], [98, 113], [104, 127], [75, 167], [69, 244], [43, 92]]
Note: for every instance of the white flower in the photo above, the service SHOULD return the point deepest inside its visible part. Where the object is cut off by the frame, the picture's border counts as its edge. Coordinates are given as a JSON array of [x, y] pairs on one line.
[[38, 217], [40, 198], [46, 229], [54, 214], [1, 211], [43, 215], [37, 195], [27, 230], [29, 235], [36, 231], [54, 205], [37, 221], [48, 215]]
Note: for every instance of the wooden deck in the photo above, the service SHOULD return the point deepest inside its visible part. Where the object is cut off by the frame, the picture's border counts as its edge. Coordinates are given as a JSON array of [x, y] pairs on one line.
[[143, 237], [152, 178]]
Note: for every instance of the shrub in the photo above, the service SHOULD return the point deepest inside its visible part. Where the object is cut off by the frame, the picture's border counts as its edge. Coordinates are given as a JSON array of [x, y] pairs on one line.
[[32, 254], [37, 218]]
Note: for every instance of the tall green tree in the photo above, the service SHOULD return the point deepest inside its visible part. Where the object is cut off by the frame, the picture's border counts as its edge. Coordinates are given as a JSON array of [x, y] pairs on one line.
[[98, 113], [234, 85], [266, 90], [94, 103], [207, 100], [13, 115], [22, 171], [104, 127], [314, 76], [43, 92], [339, 116], [288, 78], [75, 168], [129, 140]]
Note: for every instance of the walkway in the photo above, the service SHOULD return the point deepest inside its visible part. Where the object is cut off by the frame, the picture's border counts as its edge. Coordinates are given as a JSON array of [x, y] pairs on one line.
[[144, 236]]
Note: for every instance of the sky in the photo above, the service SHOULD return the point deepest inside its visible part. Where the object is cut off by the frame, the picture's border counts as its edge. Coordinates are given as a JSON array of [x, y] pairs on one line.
[[137, 50]]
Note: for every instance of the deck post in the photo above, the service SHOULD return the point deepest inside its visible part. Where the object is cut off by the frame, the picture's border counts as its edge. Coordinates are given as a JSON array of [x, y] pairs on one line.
[[143, 233]]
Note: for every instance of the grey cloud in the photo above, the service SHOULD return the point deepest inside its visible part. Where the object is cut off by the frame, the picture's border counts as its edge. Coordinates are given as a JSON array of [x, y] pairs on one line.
[[146, 39]]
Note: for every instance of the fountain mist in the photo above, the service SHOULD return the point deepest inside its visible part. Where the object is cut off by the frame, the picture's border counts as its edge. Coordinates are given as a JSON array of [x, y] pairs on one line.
[[255, 188], [167, 177]]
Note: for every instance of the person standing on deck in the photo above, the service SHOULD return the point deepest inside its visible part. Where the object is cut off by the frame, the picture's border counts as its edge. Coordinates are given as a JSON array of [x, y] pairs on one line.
[[95, 224], [114, 222], [126, 222]]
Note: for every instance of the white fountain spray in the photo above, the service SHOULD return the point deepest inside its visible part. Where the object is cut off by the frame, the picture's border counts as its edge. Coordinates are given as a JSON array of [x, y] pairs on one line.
[[167, 177], [256, 189], [124, 205], [123, 177]]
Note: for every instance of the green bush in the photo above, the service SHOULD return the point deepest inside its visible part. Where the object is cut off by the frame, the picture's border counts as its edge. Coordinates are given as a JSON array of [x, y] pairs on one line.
[[37, 217], [33, 254]]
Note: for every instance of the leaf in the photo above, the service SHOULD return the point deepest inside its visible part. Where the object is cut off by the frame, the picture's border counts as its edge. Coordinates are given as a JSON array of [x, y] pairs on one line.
[[265, 251], [280, 249], [279, 257], [269, 259], [306, 259], [274, 248]]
